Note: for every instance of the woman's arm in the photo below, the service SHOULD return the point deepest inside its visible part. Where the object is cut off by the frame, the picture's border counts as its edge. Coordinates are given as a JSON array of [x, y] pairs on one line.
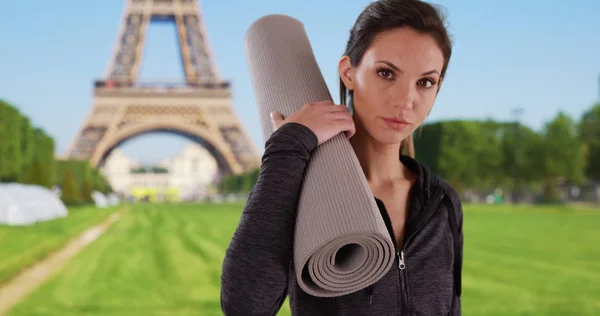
[[255, 268]]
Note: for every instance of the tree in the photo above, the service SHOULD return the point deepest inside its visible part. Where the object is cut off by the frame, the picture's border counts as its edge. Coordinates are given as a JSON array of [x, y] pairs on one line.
[[250, 180], [518, 170], [70, 190], [589, 134], [27, 146], [44, 152], [560, 155], [487, 151], [453, 151], [239, 183], [563, 150], [99, 182], [35, 174], [483, 155], [10, 139], [86, 190]]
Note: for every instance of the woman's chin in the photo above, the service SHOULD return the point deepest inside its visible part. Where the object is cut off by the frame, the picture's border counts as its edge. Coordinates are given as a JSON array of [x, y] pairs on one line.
[[390, 138], [385, 135]]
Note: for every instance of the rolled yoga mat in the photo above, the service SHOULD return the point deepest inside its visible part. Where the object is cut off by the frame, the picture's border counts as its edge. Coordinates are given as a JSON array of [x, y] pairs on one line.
[[341, 243]]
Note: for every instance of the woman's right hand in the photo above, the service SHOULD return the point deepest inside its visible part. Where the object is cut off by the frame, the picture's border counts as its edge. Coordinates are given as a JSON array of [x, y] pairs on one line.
[[324, 118]]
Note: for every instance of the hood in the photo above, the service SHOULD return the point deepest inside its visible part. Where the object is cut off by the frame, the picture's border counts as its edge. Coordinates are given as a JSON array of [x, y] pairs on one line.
[[425, 185]]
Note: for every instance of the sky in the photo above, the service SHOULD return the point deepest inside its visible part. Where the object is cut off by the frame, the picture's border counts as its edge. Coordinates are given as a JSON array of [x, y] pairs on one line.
[[541, 55]]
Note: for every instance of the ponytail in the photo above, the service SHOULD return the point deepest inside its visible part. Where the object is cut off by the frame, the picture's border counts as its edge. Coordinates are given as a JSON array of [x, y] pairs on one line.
[[343, 92], [407, 147]]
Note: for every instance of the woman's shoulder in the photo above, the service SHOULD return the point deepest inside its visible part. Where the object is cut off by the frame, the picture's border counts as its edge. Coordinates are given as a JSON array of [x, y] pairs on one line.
[[429, 178], [450, 191]]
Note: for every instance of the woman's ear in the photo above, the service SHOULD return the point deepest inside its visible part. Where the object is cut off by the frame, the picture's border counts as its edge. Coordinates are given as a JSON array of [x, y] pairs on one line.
[[346, 72]]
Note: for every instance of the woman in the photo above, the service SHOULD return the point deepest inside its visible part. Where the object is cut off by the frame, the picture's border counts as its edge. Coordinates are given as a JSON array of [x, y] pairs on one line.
[[394, 64]]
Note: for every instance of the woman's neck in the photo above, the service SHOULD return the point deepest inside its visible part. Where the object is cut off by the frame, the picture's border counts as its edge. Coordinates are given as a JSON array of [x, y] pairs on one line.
[[380, 162]]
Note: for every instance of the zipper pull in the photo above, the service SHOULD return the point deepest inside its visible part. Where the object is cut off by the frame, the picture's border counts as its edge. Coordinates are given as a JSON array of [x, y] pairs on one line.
[[401, 264]]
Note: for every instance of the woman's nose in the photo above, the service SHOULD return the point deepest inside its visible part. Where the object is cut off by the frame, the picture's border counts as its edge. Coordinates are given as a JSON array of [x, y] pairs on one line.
[[403, 97]]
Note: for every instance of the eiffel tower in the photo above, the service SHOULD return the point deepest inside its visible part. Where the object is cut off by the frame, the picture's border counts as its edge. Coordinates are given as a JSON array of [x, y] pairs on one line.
[[199, 109]]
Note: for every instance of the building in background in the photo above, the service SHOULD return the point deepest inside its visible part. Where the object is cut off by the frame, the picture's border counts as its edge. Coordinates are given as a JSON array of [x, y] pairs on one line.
[[189, 175]]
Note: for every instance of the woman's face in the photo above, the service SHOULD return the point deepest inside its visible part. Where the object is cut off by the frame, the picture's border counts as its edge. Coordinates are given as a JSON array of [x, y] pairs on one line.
[[397, 79]]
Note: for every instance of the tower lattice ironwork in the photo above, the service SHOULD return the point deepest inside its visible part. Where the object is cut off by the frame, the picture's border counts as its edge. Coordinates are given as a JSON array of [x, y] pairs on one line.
[[200, 108]]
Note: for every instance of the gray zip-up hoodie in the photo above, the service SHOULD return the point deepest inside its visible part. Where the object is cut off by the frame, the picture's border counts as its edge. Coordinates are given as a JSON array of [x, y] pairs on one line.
[[258, 272]]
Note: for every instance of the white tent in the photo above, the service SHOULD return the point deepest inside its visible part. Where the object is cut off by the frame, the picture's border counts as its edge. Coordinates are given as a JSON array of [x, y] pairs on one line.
[[113, 199], [100, 200], [22, 204]]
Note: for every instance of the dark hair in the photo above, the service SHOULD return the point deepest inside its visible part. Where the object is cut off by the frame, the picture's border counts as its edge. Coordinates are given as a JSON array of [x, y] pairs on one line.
[[384, 15]]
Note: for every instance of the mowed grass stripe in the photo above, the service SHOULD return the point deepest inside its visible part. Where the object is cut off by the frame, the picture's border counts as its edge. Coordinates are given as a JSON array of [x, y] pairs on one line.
[[166, 260], [531, 261], [157, 260]]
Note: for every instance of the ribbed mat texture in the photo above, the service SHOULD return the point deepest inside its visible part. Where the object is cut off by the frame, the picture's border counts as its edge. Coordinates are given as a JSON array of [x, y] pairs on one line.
[[341, 244]]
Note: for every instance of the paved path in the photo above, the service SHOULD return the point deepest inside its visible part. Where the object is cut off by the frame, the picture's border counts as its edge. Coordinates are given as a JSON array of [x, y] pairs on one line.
[[30, 279]]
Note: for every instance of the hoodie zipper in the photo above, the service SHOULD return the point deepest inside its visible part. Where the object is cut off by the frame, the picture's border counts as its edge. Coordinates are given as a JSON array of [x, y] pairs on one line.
[[403, 287], [419, 223], [399, 255]]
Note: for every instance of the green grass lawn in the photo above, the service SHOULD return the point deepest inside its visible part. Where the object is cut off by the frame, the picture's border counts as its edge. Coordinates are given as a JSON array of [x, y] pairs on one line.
[[531, 261], [20, 247], [166, 260]]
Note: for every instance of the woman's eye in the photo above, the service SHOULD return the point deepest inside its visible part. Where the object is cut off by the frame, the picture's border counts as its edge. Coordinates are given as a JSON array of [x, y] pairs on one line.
[[386, 73], [426, 83]]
